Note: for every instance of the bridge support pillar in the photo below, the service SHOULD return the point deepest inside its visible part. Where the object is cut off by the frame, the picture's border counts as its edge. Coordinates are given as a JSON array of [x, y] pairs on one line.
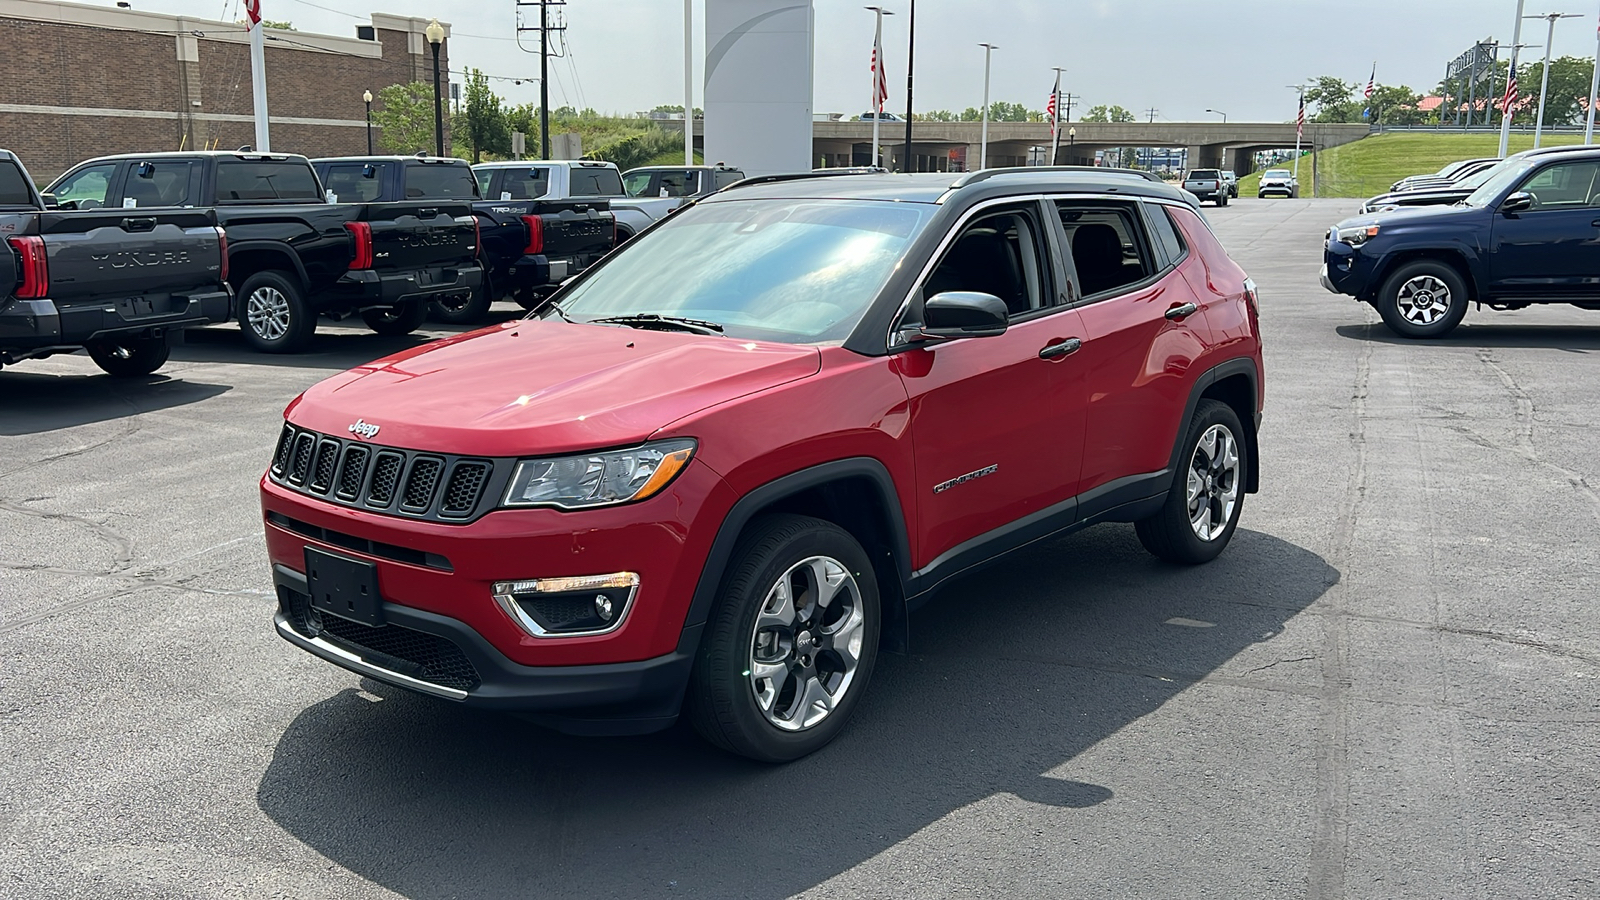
[[1244, 161]]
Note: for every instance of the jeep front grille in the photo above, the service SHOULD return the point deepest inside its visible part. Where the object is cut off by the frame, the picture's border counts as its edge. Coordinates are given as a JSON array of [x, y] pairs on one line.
[[390, 480]]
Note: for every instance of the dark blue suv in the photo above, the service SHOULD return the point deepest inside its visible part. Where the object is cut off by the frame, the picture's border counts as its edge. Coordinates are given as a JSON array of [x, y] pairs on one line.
[[1530, 234]]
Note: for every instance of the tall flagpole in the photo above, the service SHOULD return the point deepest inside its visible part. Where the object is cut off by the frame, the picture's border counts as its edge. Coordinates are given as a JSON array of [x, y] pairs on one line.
[[983, 147], [1594, 91], [1299, 132], [688, 82], [1055, 119], [258, 73], [880, 86], [1505, 114]]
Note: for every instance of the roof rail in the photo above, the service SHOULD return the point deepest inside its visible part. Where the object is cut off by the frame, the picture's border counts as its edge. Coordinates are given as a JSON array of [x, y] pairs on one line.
[[986, 174], [801, 176]]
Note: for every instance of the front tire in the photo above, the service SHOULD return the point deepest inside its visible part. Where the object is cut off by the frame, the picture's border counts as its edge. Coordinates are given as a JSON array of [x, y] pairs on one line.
[[129, 358], [791, 643], [1206, 496], [396, 320], [1423, 300], [273, 313]]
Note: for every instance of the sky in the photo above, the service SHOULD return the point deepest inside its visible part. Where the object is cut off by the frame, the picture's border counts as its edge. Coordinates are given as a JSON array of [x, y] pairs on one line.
[[1175, 56]]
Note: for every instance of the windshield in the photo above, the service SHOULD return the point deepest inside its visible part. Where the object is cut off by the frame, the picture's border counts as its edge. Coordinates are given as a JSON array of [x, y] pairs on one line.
[[1501, 178], [795, 271], [1481, 177], [1275, 173]]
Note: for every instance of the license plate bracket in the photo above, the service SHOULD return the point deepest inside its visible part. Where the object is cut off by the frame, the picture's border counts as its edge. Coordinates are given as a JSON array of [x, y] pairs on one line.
[[344, 587]]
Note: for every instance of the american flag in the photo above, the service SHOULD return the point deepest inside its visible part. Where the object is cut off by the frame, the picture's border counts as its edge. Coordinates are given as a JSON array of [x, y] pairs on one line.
[[1510, 99], [880, 85], [1054, 106], [1300, 125], [1371, 83], [253, 9]]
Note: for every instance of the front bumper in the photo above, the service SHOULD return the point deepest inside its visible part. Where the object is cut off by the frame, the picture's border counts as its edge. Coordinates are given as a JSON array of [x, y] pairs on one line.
[[365, 288], [1283, 189], [45, 323], [1347, 269], [445, 658]]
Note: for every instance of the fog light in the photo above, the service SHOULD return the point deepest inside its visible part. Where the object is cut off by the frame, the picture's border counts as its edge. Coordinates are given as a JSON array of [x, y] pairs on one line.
[[568, 607]]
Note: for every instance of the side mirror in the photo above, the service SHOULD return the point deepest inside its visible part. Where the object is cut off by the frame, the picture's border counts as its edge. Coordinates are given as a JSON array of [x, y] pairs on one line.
[[958, 314], [1517, 202], [50, 201]]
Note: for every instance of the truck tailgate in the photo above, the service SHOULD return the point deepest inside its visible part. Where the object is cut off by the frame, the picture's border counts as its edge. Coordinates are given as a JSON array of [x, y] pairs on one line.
[[108, 254], [572, 232], [421, 235]]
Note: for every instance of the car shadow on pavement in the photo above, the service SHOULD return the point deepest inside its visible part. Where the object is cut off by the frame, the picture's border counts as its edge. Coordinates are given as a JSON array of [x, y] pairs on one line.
[[1576, 338], [36, 402], [1015, 671]]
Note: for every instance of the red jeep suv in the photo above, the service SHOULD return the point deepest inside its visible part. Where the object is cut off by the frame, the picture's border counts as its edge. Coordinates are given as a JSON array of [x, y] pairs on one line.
[[717, 471]]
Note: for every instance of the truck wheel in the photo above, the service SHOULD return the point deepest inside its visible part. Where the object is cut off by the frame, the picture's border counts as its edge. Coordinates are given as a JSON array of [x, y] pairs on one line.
[[1423, 299], [396, 320], [273, 315], [530, 298], [790, 645], [464, 309], [1207, 492], [131, 357]]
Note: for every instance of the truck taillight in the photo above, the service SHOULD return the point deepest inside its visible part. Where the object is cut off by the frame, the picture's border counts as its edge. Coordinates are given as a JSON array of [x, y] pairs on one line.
[[535, 235], [362, 233], [222, 248], [33, 276]]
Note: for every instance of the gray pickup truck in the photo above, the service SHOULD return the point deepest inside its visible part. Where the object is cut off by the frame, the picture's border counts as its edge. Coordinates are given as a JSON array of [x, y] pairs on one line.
[[1207, 184], [119, 283]]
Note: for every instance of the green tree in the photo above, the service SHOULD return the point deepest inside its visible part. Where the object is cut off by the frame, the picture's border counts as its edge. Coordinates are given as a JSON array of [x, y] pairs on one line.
[[1394, 105], [1335, 100], [484, 126], [1103, 113], [937, 115], [284, 25], [404, 114], [1001, 111], [1569, 90]]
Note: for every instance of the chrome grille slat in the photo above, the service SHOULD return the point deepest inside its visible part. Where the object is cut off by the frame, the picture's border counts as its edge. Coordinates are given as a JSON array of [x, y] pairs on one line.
[[388, 480]]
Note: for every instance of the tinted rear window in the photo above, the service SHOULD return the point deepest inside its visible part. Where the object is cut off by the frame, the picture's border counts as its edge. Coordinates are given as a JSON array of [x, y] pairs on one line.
[[266, 179], [14, 189], [436, 181], [1204, 173], [596, 182]]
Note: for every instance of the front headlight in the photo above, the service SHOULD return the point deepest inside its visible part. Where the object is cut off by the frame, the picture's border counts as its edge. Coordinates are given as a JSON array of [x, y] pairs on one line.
[[599, 479], [1358, 235]]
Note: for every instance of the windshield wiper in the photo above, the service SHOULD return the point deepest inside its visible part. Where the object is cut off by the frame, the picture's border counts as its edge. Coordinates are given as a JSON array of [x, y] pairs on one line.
[[661, 323]]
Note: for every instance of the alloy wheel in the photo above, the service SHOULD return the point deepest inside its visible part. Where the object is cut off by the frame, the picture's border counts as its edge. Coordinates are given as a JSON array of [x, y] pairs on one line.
[[267, 311], [806, 644], [1213, 488], [1423, 300]]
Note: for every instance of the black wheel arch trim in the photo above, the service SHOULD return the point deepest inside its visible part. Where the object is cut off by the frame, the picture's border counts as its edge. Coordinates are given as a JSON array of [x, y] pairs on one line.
[[275, 248], [1252, 423]]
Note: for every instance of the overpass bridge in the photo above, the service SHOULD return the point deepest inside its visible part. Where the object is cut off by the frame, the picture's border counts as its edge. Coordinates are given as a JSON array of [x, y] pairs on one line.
[[1210, 144]]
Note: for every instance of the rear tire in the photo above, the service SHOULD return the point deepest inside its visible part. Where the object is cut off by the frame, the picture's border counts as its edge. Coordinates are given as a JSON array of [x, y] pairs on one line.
[[1423, 300], [273, 313], [1206, 496], [790, 645], [394, 321], [129, 358], [463, 309]]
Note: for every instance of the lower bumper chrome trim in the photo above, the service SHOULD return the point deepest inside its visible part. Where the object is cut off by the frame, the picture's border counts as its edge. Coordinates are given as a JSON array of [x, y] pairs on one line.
[[343, 657]]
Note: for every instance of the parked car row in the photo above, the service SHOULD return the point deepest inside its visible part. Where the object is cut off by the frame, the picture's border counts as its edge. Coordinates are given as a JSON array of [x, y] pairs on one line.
[[1526, 234], [277, 241]]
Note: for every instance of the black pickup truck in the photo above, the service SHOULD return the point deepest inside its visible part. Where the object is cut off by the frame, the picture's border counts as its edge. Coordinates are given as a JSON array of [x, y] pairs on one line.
[[122, 284], [527, 248], [294, 256]]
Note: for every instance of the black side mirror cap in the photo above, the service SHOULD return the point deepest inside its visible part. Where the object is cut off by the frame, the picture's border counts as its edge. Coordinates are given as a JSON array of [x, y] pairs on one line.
[[959, 314], [1519, 201], [50, 201]]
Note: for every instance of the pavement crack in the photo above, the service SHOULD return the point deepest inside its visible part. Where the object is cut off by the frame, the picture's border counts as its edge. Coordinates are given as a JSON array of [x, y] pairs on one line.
[[1542, 646], [121, 546], [1525, 447], [1281, 661]]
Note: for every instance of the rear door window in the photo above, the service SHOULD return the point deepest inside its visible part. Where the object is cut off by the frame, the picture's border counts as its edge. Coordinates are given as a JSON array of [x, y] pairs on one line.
[[596, 182], [439, 181], [162, 182], [88, 187], [524, 183], [247, 180], [355, 182], [1165, 233], [1108, 245]]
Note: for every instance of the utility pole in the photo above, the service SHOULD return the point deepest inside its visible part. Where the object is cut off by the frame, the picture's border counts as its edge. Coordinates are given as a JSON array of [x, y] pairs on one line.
[[1594, 89], [1066, 106], [1153, 112], [545, 28]]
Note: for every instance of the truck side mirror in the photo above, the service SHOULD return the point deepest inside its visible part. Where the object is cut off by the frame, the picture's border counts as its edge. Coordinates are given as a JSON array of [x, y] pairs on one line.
[[1520, 201], [50, 201]]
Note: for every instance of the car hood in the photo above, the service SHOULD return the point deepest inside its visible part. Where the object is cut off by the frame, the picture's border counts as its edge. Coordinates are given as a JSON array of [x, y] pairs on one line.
[[1419, 198], [528, 388], [1412, 215]]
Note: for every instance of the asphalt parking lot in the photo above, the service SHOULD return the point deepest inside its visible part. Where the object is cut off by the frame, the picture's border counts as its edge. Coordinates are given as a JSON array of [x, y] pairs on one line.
[[1389, 687]]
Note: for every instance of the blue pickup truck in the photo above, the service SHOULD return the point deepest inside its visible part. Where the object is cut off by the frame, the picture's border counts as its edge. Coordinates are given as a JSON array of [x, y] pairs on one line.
[[1530, 234]]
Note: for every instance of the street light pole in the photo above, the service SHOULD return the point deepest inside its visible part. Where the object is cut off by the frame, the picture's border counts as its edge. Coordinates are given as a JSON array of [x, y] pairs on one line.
[[1220, 113], [1594, 91], [983, 151], [911, 54], [1544, 84], [688, 82], [1511, 78], [367, 97], [435, 34]]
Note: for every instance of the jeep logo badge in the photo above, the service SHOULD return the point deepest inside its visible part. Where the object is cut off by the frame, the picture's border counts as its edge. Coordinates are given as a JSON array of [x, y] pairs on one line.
[[364, 430]]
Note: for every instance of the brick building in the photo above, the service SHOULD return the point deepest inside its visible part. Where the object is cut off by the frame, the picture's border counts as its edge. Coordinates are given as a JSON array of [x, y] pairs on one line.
[[78, 81]]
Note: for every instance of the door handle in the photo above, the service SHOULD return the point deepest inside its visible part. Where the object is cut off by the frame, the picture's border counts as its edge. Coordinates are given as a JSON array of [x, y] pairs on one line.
[[1179, 312], [1595, 223], [143, 223], [1065, 348]]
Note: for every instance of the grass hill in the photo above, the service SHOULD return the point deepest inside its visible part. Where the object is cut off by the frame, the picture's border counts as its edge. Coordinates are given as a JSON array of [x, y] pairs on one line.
[[1367, 167]]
